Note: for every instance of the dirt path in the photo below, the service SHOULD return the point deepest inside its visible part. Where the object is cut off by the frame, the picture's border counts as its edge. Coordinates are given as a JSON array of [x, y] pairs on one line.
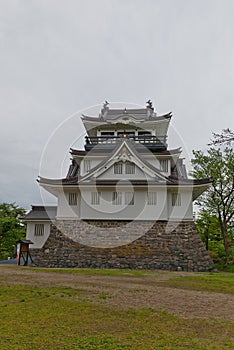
[[125, 292]]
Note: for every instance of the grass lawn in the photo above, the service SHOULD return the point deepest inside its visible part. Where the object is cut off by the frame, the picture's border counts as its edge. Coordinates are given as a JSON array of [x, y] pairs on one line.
[[56, 316], [213, 282]]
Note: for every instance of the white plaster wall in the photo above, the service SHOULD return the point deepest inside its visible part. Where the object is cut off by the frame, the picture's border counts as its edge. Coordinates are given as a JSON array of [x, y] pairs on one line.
[[109, 175], [158, 211], [163, 210], [94, 162], [156, 163], [140, 209], [185, 210], [64, 209], [38, 241], [161, 128]]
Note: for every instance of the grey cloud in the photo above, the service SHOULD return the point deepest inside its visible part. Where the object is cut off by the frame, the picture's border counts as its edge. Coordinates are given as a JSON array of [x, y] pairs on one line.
[[58, 57]]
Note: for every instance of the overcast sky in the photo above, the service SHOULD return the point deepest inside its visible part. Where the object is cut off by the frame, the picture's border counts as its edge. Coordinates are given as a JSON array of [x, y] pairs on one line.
[[59, 57]]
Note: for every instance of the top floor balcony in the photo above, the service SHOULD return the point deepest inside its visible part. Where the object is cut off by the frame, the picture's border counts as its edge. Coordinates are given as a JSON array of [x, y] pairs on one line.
[[109, 142]]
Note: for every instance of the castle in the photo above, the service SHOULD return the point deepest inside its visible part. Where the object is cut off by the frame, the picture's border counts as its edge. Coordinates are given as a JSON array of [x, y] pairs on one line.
[[126, 201]]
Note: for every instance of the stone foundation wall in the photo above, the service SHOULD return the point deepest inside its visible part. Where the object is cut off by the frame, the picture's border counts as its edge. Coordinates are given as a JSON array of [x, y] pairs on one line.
[[156, 246]]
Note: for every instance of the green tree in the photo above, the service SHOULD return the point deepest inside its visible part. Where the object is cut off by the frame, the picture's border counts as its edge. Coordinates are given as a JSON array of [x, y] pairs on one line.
[[11, 228], [218, 200], [208, 228]]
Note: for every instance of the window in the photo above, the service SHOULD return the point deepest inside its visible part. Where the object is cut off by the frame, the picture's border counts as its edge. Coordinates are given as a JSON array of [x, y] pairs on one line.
[[95, 198], [39, 230], [72, 198], [107, 133], [107, 137], [145, 137], [87, 165], [164, 165], [129, 168], [152, 198], [129, 198], [129, 134], [117, 198], [176, 199], [142, 133], [118, 168]]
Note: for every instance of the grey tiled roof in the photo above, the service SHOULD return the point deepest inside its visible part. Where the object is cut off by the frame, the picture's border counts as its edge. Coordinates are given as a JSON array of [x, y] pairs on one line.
[[39, 212], [138, 114], [141, 150], [61, 182], [169, 182]]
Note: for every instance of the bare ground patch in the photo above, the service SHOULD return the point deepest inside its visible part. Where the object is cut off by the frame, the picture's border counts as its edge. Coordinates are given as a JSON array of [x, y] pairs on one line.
[[130, 292]]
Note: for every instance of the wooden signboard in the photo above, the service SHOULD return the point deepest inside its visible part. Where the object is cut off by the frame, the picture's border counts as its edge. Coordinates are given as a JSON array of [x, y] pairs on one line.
[[23, 252]]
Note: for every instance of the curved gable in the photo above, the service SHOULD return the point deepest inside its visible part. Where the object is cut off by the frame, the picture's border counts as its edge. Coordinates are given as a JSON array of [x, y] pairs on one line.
[[126, 154]]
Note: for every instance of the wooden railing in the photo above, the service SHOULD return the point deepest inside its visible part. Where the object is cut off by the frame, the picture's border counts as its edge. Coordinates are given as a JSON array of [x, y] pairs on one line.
[[143, 139]]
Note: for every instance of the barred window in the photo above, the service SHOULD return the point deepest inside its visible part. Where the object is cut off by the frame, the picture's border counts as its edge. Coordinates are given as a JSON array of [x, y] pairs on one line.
[[87, 165], [72, 198], [144, 132], [39, 230], [118, 168], [129, 198], [130, 168], [164, 165], [95, 198], [117, 198], [152, 198], [176, 199]]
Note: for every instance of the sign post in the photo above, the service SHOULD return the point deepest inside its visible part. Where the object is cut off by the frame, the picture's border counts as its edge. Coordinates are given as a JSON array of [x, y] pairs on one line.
[[23, 251]]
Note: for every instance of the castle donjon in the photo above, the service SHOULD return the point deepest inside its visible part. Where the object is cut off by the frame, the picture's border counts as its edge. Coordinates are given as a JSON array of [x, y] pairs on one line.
[[126, 201]]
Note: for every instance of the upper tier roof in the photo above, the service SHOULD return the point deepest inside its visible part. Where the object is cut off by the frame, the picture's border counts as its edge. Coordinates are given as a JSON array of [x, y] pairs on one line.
[[111, 115], [140, 115]]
